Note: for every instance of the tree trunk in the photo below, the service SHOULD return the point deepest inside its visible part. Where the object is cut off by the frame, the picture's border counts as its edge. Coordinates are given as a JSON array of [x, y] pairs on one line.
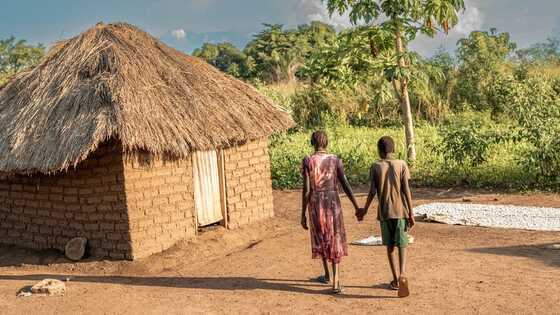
[[405, 105]]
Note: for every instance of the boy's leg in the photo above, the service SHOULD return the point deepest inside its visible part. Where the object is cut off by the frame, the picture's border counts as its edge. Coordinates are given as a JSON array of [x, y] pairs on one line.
[[402, 242], [388, 236], [391, 256], [404, 289], [401, 239], [402, 261]]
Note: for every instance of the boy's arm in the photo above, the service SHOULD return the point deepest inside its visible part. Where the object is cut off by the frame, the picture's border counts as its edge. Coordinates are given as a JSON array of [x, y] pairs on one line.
[[372, 192], [405, 188]]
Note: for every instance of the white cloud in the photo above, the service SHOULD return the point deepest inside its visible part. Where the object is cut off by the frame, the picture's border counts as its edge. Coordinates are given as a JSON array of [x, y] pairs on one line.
[[315, 10], [469, 20], [179, 33]]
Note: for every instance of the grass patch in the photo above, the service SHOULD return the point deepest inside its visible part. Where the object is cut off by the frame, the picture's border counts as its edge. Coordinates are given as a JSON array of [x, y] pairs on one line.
[[357, 147]]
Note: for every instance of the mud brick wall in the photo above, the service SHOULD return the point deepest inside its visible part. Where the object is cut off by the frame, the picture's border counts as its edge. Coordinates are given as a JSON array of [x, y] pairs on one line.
[[43, 212], [160, 200], [248, 183]]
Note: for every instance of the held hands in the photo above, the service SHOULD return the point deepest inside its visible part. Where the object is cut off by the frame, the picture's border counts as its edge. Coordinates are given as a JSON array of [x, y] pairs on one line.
[[360, 213]]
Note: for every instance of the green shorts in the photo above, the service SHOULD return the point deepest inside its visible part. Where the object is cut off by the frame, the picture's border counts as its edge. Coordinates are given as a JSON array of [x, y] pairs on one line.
[[393, 232]]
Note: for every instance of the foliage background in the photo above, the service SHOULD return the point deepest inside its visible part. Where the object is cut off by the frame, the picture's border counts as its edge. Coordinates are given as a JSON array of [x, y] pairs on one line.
[[486, 115]]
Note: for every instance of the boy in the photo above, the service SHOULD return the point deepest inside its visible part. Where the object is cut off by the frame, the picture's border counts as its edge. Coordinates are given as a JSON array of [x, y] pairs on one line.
[[389, 180]]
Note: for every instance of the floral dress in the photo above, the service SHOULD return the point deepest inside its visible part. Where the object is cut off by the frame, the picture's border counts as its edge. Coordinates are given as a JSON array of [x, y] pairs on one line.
[[328, 236]]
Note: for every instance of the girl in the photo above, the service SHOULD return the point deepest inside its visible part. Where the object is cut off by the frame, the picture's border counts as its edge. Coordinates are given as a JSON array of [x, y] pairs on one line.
[[322, 172]]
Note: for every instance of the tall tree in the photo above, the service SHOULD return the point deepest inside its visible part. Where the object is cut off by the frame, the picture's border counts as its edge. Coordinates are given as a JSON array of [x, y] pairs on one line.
[[481, 57], [17, 55], [404, 19], [226, 57], [277, 54]]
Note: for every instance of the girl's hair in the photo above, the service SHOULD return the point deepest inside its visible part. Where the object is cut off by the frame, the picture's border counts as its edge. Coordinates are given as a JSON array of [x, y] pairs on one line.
[[319, 139], [386, 145]]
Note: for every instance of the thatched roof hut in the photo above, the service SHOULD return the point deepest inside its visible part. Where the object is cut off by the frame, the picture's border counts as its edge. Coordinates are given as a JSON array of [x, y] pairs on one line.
[[119, 139], [117, 82]]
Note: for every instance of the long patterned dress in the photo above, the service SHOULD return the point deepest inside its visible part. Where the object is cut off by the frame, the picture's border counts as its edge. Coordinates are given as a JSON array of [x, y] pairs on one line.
[[328, 236]]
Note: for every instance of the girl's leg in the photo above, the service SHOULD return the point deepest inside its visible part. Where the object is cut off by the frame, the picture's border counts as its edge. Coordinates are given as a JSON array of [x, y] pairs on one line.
[[326, 268], [336, 277]]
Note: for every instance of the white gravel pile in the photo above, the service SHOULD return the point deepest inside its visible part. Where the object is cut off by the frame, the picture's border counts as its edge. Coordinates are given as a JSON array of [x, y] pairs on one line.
[[500, 216]]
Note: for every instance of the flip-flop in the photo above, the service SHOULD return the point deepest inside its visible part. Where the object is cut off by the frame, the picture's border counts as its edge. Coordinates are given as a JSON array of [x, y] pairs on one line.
[[337, 290], [394, 285], [404, 290], [322, 279]]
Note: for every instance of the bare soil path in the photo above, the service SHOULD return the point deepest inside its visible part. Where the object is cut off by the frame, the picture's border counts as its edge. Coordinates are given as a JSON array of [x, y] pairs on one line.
[[266, 270]]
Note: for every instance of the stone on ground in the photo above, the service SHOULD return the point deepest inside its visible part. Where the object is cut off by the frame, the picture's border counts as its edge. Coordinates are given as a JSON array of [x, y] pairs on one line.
[[49, 287], [75, 248]]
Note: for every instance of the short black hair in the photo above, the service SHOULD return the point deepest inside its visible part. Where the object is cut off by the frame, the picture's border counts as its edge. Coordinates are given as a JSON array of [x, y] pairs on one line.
[[319, 139], [386, 145]]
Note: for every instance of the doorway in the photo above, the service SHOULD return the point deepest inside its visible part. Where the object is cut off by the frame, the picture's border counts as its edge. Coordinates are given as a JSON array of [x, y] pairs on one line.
[[209, 188]]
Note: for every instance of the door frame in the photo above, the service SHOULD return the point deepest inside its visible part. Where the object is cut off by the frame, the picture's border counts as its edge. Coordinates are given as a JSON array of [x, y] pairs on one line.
[[223, 192]]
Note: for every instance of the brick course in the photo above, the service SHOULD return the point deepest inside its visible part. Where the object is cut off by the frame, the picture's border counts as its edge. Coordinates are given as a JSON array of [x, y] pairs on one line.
[[248, 183], [128, 207], [45, 211], [160, 202]]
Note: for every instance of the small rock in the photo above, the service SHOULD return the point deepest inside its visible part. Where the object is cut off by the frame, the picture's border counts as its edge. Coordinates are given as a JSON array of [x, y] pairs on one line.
[[75, 248], [49, 287], [553, 247], [467, 200], [23, 293]]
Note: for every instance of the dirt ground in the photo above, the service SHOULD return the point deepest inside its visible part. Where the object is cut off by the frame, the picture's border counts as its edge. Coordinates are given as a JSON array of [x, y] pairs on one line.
[[266, 269]]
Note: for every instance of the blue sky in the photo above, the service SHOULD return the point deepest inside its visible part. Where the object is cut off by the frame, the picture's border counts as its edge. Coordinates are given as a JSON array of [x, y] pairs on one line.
[[185, 24]]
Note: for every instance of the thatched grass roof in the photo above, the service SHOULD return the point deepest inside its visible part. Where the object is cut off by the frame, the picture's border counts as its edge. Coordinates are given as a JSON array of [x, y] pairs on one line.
[[117, 82]]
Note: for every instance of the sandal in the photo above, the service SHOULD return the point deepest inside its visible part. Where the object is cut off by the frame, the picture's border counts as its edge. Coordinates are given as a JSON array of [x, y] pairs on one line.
[[404, 290], [337, 290], [394, 285], [322, 279]]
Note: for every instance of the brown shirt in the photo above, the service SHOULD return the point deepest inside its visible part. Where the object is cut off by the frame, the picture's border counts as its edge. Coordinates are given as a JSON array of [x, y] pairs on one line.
[[390, 178]]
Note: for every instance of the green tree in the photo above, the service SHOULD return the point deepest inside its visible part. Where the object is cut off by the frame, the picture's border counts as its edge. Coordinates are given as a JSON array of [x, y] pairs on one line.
[[403, 19], [226, 57], [317, 34], [481, 57], [548, 51], [279, 54], [17, 55]]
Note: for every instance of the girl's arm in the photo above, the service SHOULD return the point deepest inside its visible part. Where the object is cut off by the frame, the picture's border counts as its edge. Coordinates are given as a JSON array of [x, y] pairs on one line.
[[304, 197], [345, 184]]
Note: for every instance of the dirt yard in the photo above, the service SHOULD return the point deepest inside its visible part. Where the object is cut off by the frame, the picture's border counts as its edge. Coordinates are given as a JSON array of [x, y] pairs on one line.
[[267, 270]]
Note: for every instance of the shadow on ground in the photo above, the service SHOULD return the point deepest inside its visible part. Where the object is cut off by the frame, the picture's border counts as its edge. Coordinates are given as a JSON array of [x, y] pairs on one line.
[[11, 256], [539, 252], [209, 283]]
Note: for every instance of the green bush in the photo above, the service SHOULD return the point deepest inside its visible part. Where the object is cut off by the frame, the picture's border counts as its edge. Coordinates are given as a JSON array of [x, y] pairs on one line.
[[467, 137], [538, 116], [357, 147]]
